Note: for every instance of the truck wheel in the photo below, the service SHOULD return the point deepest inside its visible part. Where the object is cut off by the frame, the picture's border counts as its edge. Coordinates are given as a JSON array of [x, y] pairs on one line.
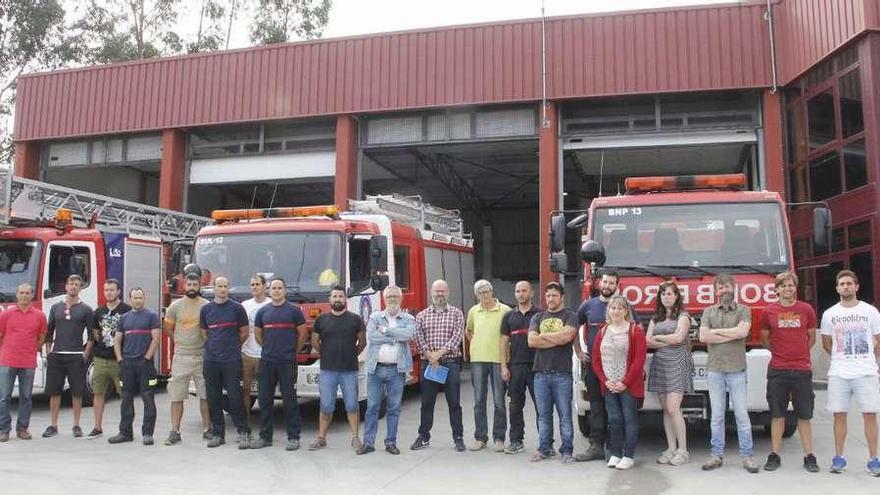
[[584, 424], [791, 424]]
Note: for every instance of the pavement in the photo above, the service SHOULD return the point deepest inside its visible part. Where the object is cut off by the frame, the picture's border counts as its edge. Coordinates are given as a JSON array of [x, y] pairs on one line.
[[68, 465]]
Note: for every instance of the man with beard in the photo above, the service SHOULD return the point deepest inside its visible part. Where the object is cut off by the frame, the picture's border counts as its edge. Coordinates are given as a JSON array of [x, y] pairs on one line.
[[592, 313], [439, 330], [724, 327], [182, 324], [389, 359], [339, 336], [106, 370]]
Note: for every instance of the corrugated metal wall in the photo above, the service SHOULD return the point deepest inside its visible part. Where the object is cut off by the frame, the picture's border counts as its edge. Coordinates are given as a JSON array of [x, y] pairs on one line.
[[809, 30], [640, 52]]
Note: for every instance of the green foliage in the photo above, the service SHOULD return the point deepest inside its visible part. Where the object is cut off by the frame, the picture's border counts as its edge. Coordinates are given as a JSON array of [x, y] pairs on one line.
[[279, 21]]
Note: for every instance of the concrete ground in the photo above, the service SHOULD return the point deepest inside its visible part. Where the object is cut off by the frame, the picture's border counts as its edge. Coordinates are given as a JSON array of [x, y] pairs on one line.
[[75, 465]]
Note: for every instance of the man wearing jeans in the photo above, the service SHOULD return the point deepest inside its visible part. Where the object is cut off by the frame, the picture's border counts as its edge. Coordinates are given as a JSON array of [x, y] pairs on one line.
[[552, 334], [339, 336], [224, 326], [439, 330], [280, 330], [724, 328], [851, 335], [484, 335], [388, 361], [22, 328]]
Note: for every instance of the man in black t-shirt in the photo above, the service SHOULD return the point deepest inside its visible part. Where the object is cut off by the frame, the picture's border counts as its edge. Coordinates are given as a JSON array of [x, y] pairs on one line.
[[105, 373], [551, 334], [339, 336], [516, 361]]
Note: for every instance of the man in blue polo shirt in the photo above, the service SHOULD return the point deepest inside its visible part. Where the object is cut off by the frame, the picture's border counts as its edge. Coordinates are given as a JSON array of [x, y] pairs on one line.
[[135, 343], [280, 327], [225, 327]]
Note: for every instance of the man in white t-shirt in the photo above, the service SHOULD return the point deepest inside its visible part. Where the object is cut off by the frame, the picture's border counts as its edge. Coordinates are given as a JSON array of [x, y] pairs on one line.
[[851, 335], [250, 350]]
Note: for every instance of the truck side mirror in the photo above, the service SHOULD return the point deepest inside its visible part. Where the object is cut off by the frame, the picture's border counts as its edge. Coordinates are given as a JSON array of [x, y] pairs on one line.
[[557, 232], [821, 231], [558, 262], [378, 254], [593, 252], [378, 282]]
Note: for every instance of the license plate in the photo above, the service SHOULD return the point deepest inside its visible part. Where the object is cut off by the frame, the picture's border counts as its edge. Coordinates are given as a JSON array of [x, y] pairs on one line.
[[313, 378], [700, 372]]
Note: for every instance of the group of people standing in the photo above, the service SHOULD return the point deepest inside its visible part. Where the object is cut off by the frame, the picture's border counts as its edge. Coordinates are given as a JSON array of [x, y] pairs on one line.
[[526, 350]]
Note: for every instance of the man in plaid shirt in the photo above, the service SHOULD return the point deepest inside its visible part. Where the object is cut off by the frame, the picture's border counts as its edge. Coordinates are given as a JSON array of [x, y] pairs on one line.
[[439, 329]]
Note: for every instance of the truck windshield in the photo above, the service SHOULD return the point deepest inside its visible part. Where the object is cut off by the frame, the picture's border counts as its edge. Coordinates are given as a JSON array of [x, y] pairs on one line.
[[309, 262], [733, 237], [19, 263]]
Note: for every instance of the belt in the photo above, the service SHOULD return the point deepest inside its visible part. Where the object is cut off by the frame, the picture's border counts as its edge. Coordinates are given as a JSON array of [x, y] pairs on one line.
[[387, 364]]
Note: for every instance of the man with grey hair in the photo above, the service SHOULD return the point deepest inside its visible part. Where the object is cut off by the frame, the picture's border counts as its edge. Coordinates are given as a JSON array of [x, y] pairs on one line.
[[389, 359], [484, 336]]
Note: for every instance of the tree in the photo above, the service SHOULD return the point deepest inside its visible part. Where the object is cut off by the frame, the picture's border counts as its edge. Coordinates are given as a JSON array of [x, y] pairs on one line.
[[118, 30], [278, 21], [32, 37], [209, 35]]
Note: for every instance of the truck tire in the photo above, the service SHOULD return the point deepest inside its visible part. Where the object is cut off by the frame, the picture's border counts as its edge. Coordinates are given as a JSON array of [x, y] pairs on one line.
[[584, 424], [791, 424]]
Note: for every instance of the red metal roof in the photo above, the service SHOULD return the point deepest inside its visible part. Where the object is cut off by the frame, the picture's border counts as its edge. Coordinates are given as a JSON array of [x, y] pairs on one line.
[[703, 48]]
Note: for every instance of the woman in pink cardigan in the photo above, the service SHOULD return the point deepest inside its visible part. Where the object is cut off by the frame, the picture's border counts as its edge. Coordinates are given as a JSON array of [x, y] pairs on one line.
[[619, 362]]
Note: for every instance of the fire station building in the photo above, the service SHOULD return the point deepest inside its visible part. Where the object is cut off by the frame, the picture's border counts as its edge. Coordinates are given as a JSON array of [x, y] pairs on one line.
[[505, 121]]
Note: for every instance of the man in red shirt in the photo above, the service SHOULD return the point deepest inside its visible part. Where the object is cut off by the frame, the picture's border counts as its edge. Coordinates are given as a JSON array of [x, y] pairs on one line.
[[22, 329], [788, 329]]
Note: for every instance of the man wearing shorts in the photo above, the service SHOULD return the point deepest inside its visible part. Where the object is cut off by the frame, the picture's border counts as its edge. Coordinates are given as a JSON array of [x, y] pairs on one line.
[[70, 323], [851, 335], [339, 336], [105, 373], [788, 329], [182, 324]]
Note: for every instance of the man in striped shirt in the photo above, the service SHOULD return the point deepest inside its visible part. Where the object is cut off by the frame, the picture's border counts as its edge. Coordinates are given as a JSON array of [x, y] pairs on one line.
[[439, 330]]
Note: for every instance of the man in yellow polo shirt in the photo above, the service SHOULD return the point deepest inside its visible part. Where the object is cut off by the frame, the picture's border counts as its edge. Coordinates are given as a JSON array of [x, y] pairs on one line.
[[484, 336]]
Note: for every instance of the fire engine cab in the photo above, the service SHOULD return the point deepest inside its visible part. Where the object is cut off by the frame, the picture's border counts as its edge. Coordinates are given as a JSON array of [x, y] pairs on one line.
[[49, 232], [381, 240], [690, 228]]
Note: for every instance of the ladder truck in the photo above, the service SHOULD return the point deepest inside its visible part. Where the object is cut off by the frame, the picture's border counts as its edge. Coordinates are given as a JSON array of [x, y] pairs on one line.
[[48, 232]]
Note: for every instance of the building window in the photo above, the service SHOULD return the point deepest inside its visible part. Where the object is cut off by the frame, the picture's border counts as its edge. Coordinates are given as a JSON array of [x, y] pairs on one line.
[[861, 264], [859, 234], [856, 164], [401, 266], [824, 177], [821, 121], [849, 87]]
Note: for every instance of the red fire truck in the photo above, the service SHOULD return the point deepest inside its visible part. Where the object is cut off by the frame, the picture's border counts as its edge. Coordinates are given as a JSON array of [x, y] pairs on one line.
[[48, 232], [689, 228], [382, 240]]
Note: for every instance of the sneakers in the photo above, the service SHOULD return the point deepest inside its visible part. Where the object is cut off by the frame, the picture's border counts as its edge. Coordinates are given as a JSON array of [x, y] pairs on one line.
[[459, 445], [838, 464], [499, 446], [392, 449], [318, 444], [51, 431], [567, 459], [365, 449], [713, 462], [215, 442], [207, 434], [77, 431], [594, 453], [773, 462], [613, 461], [420, 443], [665, 457], [749, 464], [259, 443], [478, 445], [4, 436], [515, 448], [173, 438], [148, 440], [625, 463], [95, 433], [680, 457], [23, 434], [873, 467], [538, 456], [243, 440], [810, 463], [119, 438], [292, 444]]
